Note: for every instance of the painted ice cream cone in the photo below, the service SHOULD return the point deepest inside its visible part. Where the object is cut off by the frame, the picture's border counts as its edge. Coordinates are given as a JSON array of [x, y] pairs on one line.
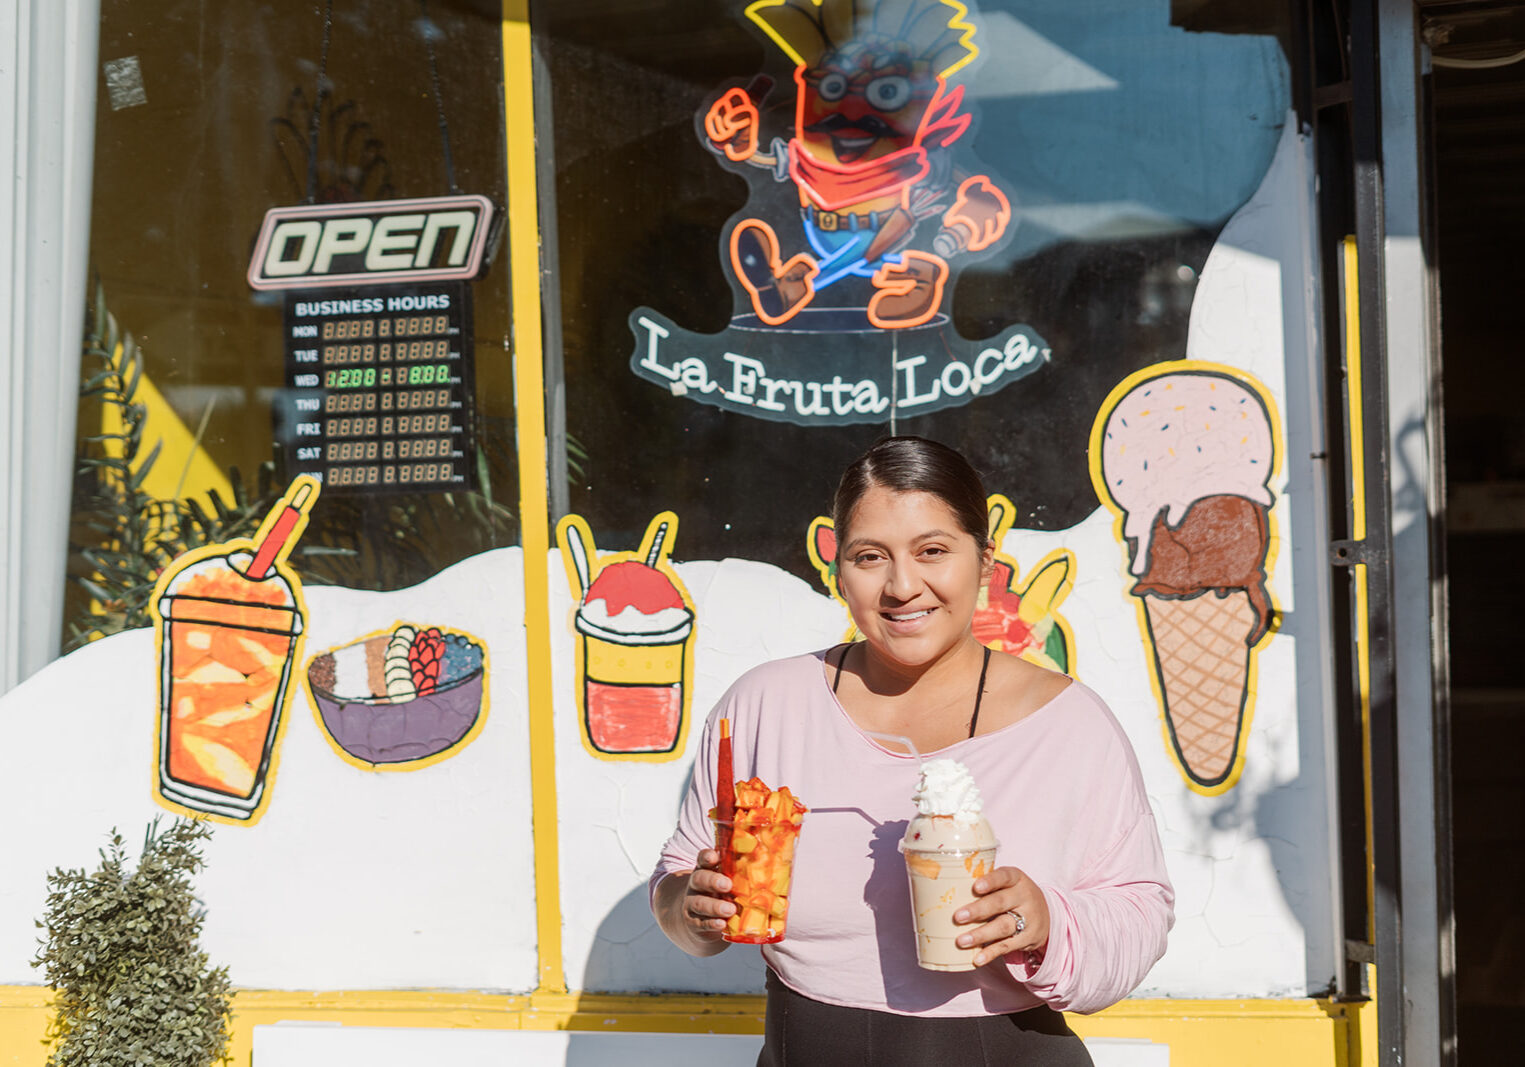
[[1202, 661], [1185, 453]]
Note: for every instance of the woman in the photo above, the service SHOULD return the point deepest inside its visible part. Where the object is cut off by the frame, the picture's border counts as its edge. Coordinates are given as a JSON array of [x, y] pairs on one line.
[[1078, 911]]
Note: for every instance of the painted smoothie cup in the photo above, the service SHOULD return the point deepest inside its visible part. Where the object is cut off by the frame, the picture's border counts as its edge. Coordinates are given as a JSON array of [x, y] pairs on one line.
[[227, 651], [635, 631]]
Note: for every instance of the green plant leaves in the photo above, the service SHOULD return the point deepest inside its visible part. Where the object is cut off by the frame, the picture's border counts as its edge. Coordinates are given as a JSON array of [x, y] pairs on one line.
[[121, 537], [122, 953]]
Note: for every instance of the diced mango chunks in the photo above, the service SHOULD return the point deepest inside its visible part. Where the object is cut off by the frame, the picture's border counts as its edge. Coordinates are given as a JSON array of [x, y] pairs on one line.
[[220, 763], [762, 841]]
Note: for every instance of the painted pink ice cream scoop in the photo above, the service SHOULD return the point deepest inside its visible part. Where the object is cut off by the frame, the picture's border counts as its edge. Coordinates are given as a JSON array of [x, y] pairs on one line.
[[1180, 438]]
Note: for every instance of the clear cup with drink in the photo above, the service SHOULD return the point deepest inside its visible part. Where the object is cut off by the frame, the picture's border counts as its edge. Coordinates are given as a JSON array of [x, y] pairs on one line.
[[947, 847]]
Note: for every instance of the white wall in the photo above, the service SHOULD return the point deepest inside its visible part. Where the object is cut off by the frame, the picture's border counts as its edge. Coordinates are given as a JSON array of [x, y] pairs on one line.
[[352, 879]]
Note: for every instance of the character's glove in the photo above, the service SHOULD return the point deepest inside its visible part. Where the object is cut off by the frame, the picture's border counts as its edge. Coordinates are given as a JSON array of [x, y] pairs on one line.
[[731, 125], [977, 218]]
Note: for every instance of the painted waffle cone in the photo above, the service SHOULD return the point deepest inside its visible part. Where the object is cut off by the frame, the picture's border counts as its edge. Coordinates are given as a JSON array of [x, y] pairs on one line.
[[1203, 664]]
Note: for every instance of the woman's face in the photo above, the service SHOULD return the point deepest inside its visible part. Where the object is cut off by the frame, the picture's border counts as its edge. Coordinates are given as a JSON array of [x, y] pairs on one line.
[[911, 575]]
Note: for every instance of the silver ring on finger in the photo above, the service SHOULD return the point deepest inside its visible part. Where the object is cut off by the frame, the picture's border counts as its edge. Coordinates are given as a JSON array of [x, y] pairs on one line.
[[1021, 922]]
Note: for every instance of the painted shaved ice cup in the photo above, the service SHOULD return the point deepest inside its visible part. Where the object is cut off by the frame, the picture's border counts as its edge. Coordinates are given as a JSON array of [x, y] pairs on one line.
[[228, 643], [633, 684]]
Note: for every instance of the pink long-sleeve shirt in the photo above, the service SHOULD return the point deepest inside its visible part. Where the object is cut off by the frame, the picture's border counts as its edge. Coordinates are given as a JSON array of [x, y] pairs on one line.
[[1061, 789]]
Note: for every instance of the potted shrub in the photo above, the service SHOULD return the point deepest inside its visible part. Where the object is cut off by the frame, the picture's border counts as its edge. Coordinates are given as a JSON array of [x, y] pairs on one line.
[[131, 984]]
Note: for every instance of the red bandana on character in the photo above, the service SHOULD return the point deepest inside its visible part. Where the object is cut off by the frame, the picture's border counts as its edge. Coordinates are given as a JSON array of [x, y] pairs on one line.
[[835, 185]]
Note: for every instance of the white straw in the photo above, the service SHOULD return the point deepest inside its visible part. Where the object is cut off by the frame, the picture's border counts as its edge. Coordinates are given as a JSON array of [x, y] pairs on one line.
[[906, 741], [579, 556], [656, 546]]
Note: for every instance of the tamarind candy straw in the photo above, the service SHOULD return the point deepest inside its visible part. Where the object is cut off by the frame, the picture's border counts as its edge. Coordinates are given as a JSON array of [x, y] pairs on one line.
[[725, 796]]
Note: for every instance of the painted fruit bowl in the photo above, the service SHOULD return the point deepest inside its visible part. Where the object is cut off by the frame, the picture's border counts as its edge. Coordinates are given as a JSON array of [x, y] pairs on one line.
[[398, 697]]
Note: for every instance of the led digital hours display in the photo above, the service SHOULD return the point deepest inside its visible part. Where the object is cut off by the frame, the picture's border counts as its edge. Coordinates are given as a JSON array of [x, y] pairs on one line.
[[412, 400], [386, 425], [379, 394], [385, 351], [371, 377], [389, 475], [401, 326], [408, 448]]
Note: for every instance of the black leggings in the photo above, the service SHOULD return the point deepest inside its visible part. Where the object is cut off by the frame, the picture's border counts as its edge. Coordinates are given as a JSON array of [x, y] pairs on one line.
[[802, 1033]]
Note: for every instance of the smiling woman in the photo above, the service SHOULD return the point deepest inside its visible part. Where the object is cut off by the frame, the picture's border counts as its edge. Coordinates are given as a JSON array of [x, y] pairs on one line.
[[912, 519], [1075, 927]]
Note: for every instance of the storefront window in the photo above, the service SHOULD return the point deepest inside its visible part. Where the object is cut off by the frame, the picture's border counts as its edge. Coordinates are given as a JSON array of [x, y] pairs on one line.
[[1095, 172], [211, 117]]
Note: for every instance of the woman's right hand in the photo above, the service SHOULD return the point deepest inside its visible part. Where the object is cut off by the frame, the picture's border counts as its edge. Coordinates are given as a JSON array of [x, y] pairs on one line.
[[692, 908], [704, 904]]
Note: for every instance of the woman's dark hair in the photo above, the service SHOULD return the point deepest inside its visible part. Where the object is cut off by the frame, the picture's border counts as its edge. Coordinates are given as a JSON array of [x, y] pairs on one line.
[[915, 465]]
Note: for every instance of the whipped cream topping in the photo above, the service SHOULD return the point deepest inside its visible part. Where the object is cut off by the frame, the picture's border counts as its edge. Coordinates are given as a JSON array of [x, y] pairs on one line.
[[947, 788]]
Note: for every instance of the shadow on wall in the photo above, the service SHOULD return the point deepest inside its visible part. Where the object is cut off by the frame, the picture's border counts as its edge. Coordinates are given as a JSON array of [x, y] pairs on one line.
[[629, 948], [616, 963]]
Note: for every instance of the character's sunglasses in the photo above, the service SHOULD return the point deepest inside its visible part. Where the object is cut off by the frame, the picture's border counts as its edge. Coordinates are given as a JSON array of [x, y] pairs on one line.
[[887, 92]]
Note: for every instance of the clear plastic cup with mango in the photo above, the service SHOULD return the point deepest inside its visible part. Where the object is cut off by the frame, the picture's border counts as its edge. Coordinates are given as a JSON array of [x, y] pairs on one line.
[[756, 851]]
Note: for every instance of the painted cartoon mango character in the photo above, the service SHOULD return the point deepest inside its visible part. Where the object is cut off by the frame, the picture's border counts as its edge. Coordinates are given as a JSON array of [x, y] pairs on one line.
[[1022, 619], [875, 121]]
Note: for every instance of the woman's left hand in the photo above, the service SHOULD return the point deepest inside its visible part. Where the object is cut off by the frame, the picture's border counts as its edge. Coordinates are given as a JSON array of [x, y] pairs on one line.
[[1001, 896]]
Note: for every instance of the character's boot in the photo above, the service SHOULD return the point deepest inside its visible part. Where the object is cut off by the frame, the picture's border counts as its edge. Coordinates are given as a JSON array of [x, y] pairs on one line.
[[778, 290], [909, 292]]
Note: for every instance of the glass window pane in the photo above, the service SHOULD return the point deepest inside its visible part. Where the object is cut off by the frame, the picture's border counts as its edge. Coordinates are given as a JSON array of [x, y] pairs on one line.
[[213, 115], [1094, 175]]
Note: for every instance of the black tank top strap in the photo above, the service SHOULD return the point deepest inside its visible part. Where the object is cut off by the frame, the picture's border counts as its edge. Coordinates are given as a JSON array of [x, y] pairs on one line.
[[840, 660], [979, 694]]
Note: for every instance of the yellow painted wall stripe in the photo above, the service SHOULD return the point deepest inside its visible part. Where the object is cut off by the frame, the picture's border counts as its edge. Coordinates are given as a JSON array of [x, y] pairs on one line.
[[534, 517], [1363, 695], [1200, 1033]]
